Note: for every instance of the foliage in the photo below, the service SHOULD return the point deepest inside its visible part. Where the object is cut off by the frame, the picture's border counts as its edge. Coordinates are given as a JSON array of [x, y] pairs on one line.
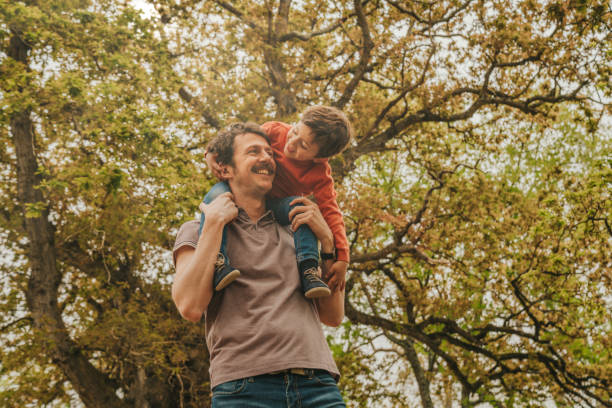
[[476, 193], [102, 99]]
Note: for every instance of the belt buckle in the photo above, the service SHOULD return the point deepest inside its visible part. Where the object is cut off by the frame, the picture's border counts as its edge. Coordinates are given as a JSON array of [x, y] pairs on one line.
[[296, 371]]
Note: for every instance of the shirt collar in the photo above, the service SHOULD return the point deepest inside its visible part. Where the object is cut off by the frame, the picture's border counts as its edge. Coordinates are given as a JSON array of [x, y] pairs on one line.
[[244, 218]]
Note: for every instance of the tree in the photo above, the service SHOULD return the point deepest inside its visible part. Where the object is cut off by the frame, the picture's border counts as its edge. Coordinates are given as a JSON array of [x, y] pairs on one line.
[[92, 168], [479, 236]]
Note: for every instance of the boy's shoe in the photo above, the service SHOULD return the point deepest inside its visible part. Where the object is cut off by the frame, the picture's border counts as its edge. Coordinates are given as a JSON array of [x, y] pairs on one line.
[[312, 285], [224, 274]]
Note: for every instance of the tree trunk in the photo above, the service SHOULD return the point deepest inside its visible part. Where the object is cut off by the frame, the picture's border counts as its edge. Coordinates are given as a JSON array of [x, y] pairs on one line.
[[419, 374], [280, 88], [94, 388]]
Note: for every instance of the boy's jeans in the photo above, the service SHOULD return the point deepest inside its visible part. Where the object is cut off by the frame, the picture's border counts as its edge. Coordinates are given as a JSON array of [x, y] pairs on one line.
[[306, 246], [315, 390]]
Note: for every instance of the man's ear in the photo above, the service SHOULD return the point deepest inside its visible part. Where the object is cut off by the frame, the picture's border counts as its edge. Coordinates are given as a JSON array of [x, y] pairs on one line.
[[225, 173]]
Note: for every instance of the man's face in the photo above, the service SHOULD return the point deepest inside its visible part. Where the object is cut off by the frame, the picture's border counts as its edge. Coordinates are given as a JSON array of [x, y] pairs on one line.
[[254, 166], [300, 143]]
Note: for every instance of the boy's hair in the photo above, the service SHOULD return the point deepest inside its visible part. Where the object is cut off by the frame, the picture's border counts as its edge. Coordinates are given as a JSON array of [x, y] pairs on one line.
[[223, 144], [331, 129]]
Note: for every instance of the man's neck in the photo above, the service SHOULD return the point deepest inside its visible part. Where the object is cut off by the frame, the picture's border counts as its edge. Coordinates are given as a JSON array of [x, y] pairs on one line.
[[254, 206]]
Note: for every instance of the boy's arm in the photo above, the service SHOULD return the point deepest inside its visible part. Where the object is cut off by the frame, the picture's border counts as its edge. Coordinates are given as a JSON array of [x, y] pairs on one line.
[[215, 168], [336, 276], [325, 196], [275, 130]]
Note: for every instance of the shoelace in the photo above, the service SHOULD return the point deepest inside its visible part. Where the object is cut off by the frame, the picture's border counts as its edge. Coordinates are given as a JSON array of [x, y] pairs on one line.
[[311, 277], [220, 261]]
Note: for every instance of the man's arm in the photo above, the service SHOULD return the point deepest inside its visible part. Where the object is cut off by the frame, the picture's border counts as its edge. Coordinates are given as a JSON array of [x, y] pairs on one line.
[[331, 308], [192, 288]]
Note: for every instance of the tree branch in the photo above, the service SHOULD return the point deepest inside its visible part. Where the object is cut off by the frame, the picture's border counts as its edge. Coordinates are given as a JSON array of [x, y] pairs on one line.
[[233, 10], [199, 106], [305, 37], [16, 322], [365, 55]]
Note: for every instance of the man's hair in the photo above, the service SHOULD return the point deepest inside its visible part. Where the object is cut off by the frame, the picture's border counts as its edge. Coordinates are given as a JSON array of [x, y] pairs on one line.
[[223, 144], [331, 129]]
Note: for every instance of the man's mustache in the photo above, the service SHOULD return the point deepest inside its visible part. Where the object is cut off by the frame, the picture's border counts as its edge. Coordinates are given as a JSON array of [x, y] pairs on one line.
[[265, 166]]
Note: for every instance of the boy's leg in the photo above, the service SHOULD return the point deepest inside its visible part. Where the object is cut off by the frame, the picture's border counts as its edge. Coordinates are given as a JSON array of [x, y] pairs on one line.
[[306, 249], [224, 273], [214, 192]]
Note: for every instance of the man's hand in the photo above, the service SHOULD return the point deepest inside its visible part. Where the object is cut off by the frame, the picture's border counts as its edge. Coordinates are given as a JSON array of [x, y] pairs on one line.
[[223, 208], [336, 276], [309, 214], [192, 288], [215, 168]]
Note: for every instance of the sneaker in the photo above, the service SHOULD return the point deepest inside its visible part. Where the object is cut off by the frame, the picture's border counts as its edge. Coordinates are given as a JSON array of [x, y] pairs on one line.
[[224, 273], [312, 285]]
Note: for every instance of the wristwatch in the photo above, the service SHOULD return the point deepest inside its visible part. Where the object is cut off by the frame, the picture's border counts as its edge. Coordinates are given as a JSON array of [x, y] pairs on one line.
[[328, 255]]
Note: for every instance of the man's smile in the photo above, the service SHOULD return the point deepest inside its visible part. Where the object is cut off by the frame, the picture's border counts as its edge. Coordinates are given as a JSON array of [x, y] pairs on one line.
[[267, 170]]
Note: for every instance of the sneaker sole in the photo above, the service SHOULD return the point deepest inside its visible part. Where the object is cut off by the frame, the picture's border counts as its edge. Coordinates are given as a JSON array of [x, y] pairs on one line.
[[317, 293], [228, 279]]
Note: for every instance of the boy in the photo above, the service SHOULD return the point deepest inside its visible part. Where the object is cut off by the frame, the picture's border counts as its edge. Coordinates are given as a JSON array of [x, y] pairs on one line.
[[301, 153]]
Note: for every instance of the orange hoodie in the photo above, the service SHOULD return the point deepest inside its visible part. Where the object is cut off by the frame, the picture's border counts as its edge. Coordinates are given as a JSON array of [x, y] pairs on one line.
[[297, 177]]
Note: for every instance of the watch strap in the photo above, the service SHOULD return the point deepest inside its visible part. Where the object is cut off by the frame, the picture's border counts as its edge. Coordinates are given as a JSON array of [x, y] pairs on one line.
[[328, 255]]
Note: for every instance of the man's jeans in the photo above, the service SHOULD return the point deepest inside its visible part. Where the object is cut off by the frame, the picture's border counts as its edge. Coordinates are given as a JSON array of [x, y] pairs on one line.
[[317, 389], [306, 246]]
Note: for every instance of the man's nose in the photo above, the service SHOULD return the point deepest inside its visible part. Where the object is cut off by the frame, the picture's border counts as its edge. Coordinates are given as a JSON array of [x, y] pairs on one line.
[[266, 157]]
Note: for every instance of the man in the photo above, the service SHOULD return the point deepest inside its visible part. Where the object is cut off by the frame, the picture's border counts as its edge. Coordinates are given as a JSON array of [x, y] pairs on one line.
[[266, 344]]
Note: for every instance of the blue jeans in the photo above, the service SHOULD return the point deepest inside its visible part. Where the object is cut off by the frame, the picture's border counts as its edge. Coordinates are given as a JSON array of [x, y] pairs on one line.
[[316, 390], [305, 241], [214, 192]]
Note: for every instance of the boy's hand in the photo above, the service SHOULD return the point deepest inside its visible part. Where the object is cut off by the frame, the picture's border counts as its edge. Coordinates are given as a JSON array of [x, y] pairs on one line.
[[336, 276], [215, 168]]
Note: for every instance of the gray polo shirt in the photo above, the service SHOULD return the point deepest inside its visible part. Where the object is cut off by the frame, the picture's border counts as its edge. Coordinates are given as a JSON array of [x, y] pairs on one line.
[[261, 322]]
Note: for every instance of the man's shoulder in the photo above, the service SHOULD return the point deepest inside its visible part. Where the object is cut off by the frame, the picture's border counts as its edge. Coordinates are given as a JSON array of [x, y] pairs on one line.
[[187, 235]]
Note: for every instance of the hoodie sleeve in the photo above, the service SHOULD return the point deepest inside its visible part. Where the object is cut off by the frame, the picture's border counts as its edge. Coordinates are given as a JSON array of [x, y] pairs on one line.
[[325, 195]]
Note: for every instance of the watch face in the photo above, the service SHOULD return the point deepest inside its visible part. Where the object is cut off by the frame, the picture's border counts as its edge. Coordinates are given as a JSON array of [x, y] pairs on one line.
[[327, 255]]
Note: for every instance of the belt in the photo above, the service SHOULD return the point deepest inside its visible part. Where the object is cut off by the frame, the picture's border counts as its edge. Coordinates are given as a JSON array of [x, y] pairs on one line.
[[307, 372]]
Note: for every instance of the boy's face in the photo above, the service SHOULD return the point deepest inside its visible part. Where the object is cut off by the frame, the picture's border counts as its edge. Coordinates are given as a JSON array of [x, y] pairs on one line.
[[300, 143]]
